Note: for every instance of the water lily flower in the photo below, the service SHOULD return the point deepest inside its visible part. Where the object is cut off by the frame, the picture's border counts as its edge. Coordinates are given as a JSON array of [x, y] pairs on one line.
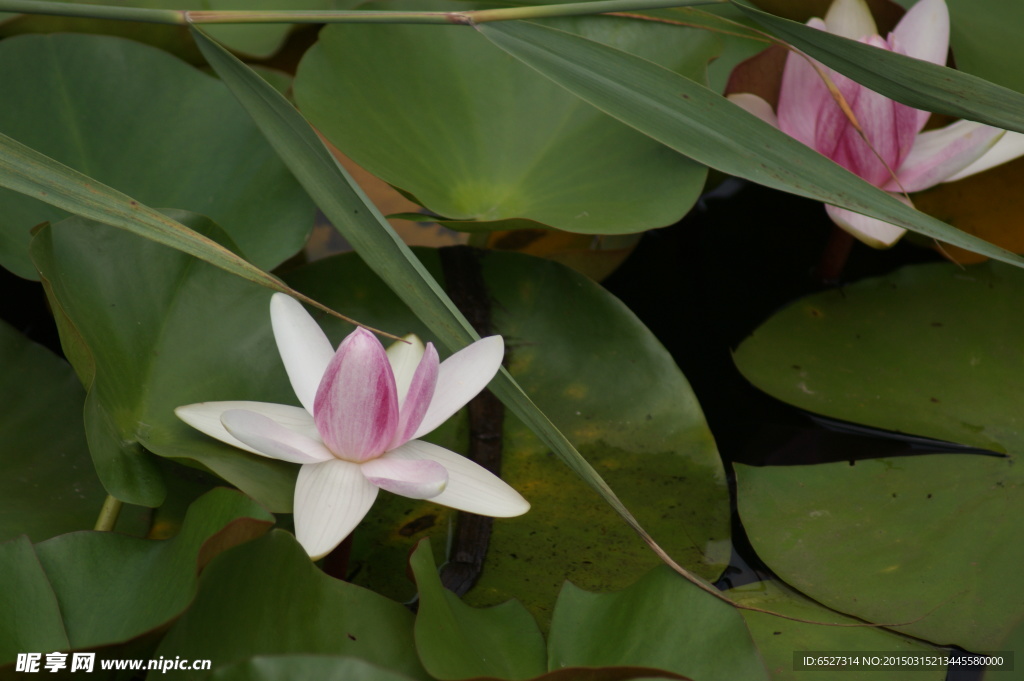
[[362, 410], [901, 158]]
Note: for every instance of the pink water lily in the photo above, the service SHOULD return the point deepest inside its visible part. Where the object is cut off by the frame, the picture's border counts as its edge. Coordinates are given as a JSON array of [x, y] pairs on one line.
[[362, 410], [900, 158]]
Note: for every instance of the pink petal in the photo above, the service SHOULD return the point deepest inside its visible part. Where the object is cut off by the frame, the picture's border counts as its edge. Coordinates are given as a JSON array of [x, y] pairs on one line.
[[890, 128], [330, 500], [418, 398], [802, 96], [923, 32], [471, 487], [205, 417], [304, 348], [873, 232], [460, 378], [755, 105], [939, 154], [851, 19], [268, 437], [356, 408], [415, 479], [1009, 147]]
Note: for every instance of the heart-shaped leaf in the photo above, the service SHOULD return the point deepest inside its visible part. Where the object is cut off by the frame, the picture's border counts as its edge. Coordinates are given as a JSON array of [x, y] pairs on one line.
[[918, 540], [111, 587], [780, 640], [149, 329], [151, 126], [477, 137], [662, 621], [266, 598], [29, 615], [456, 641], [930, 350]]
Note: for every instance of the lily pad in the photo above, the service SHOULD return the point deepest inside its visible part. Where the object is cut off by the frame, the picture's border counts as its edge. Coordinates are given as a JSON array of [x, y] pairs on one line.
[[608, 384], [266, 598], [29, 615], [100, 586], [924, 540], [662, 621], [779, 640], [476, 136], [48, 485], [151, 126], [456, 641], [149, 329], [930, 350], [984, 42], [291, 667]]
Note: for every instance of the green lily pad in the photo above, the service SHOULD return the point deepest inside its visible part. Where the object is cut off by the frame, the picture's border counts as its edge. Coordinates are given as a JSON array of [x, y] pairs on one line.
[[456, 641], [931, 350], [29, 615], [111, 587], [984, 42], [149, 329], [661, 621], [291, 667], [779, 640], [151, 126], [1014, 642], [267, 598], [922, 540], [476, 136], [608, 384], [48, 484]]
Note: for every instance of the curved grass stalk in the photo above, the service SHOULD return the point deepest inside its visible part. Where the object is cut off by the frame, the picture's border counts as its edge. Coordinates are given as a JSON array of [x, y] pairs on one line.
[[176, 17], [25, 170]]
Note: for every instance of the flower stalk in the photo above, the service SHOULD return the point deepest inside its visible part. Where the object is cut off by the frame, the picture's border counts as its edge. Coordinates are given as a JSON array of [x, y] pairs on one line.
[[108, 514]]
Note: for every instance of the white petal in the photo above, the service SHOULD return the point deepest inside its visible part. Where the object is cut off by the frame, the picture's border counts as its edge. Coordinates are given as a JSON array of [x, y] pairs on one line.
[[303, 345], [460, 378], [205, 417], [923, 32], [851, 19], [471, 487], [269, 438], [330, 500], [1009, 147], [415, 479], [939, 154], [755, 105], [419, 397], [404, 358], [873, 232]]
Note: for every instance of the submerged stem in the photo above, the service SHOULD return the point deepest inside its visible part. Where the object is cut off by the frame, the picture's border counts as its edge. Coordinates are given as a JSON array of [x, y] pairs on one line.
[[108, 514]]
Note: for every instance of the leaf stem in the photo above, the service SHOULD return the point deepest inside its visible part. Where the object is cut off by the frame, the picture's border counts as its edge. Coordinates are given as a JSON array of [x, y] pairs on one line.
[[108, 514], [177, 17]]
